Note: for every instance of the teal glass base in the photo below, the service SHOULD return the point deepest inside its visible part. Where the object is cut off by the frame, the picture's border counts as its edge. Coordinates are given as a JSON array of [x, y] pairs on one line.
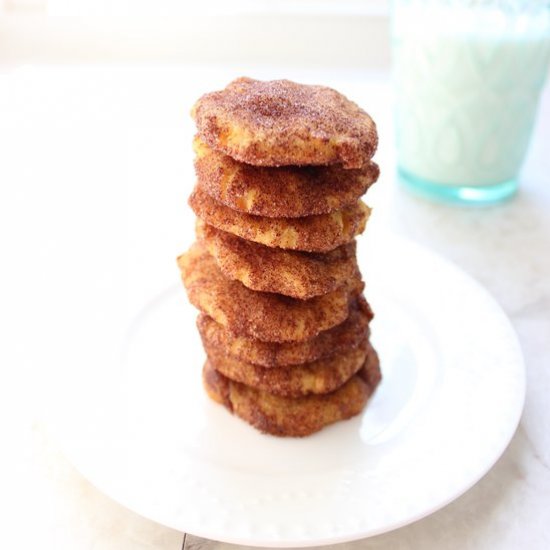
[[459, 194]]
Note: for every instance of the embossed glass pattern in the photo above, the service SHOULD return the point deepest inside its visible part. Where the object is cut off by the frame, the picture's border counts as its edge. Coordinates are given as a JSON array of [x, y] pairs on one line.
[[467, 75]]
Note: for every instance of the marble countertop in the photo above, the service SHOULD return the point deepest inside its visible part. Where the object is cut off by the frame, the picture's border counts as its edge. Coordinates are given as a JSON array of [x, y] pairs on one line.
[[505, 247]]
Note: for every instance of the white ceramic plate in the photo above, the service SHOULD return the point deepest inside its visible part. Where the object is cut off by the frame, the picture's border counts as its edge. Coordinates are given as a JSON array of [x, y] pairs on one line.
[[142, 430]]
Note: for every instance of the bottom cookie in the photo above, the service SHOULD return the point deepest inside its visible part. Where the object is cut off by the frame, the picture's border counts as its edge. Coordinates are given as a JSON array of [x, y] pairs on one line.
[[292, 417]]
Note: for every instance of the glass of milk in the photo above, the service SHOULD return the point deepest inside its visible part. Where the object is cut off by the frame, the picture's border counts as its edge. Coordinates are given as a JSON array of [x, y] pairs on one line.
[[467, 79]]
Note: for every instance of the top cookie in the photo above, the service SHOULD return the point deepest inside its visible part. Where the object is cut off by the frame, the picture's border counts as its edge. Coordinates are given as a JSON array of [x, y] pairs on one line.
[[281, 123]]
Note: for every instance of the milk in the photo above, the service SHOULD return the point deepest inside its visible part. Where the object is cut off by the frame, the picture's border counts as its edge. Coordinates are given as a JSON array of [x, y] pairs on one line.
[[467, 83]]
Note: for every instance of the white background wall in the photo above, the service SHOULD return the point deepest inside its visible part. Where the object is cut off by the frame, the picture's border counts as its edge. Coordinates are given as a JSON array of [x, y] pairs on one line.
[[313, 33]]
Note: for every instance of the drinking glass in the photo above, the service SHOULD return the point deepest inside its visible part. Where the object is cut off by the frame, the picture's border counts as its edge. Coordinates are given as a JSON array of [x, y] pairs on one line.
[[467, 81]]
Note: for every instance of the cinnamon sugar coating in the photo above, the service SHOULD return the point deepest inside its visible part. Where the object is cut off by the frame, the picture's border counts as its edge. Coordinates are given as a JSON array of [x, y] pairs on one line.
[[265, 316], [287, 192], [282, 123], [291, 416], [342, 337], [321, 376], [319, 233], [297, 274]]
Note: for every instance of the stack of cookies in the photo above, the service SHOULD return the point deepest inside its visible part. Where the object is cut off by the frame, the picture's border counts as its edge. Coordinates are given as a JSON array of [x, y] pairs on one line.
[[281, 168]]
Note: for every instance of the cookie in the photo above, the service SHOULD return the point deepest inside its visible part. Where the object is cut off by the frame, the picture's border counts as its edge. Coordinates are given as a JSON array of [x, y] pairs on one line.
[[287, 192], [272, 354], [321, 376], [297, 274], [262, 315], [320, 233], [290, 416], [282, 123]]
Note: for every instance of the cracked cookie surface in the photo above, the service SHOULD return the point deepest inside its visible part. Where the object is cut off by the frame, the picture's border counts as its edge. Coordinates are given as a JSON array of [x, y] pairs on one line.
[[282, 123]]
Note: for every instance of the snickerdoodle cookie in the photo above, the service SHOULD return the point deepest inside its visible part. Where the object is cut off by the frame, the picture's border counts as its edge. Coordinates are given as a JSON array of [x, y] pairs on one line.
[[281, 123], [321, 376], [290, 272], [319, 233], [262, 315], [292, 416], [344, 336], [287, 192]]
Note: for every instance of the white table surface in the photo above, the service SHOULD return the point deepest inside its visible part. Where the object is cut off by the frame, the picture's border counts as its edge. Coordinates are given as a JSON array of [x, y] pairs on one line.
[[96, 159]]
